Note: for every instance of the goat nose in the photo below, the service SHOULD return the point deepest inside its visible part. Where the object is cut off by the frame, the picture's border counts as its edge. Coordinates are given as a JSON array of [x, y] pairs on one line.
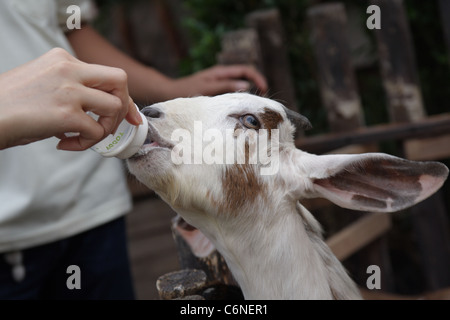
[[151, 112]]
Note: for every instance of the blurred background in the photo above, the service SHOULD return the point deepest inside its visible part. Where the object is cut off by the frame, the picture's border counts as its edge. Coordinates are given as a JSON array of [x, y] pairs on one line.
[[298, 42]]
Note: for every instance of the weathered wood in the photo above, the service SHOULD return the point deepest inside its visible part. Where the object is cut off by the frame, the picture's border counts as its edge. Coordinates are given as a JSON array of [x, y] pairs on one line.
[[397, 63], [179, 284], [431, 229], [275, 58], [426, 149], [241, 47], [193, 297], [336, 76], [358, 234], [444, 6], [405, 103], [427, 127], [443, 294], [339, 92]]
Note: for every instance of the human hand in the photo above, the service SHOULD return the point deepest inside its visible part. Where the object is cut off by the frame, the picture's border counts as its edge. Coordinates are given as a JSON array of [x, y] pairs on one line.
[[50, 96], [220, 79]]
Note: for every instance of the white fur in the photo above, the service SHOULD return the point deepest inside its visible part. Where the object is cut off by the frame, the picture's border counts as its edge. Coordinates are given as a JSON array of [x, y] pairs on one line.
[[272, 245]]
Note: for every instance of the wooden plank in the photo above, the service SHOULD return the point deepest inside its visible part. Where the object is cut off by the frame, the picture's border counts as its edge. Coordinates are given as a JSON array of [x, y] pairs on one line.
[[178, 284], [241, 47], [397, 63], [431, 229], [436, 148], [277, 69], [358, 234], [427, 127], [400, 79], [152, 252], [335, 72], [339, 92], [444, 6]]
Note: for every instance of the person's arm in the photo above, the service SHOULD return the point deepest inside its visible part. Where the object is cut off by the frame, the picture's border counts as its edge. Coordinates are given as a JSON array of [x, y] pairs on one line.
[[147, 84], [50, 95]]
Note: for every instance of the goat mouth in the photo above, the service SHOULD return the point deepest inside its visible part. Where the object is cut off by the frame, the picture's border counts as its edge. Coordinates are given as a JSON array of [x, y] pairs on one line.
[[153, 141]]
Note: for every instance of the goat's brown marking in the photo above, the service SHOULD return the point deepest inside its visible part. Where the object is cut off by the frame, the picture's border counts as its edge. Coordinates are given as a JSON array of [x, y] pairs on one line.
[[241, 185], [270, 119], [209, 196], [237, 131]]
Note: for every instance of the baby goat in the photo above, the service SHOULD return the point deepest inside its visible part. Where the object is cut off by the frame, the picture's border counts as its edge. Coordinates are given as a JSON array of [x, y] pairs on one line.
[[271, 243]]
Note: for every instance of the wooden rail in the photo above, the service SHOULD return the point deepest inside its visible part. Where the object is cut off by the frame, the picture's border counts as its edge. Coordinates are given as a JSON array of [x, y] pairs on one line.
[[427, 127]]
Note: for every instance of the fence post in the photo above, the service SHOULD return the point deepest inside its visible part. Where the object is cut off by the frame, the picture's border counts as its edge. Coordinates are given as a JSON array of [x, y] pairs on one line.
[[241, 47], [444, 9], [340, 97], [397, 63], [336, 77], [274, 53], [398, 68]]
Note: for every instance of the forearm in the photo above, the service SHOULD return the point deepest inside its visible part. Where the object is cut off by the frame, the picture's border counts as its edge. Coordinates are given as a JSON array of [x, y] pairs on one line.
[[145, 84]]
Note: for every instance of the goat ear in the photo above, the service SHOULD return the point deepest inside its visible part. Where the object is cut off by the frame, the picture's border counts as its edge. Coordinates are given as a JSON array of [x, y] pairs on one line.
[[374, 182]]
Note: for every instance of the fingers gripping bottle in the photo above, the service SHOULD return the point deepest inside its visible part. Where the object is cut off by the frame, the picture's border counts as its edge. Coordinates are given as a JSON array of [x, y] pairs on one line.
[[125, 142]]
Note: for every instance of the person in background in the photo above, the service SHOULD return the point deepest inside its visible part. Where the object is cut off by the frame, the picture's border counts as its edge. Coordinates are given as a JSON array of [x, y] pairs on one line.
[[60, 209]]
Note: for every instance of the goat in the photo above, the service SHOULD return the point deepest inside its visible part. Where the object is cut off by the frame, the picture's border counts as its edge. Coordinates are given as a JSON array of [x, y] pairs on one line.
[[271, 243]]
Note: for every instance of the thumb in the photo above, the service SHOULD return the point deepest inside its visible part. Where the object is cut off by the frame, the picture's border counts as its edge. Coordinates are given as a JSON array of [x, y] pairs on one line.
[[133, 116]]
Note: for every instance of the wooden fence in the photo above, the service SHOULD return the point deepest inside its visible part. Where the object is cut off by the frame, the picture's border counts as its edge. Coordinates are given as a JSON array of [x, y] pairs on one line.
[[419, 136]]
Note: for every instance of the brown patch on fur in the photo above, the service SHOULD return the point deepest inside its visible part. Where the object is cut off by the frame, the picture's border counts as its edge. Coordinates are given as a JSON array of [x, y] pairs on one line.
[[241, 185], [236, 128], [209, 196], [237, 131], [270, 119]]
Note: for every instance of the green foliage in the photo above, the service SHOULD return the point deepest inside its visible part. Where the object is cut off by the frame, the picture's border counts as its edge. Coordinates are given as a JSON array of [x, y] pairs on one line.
[[209, 20]]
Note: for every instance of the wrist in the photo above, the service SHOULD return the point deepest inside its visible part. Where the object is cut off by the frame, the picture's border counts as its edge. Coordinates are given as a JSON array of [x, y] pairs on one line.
[[8, 126]]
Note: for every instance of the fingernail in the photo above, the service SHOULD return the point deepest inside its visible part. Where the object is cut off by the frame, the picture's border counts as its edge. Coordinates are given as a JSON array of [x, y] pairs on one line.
[[136, 115], [139, 118], [242, 85]]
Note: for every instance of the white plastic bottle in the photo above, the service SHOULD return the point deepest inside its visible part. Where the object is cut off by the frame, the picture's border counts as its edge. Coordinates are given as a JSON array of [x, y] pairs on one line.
[[125, 142]]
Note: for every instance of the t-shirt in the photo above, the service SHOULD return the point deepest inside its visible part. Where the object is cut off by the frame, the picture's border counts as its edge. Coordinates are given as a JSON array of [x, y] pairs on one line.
[[48, 194]]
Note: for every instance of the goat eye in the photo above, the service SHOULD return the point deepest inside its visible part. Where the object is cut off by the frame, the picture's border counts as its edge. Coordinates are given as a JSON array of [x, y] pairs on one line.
[[250, 121]]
